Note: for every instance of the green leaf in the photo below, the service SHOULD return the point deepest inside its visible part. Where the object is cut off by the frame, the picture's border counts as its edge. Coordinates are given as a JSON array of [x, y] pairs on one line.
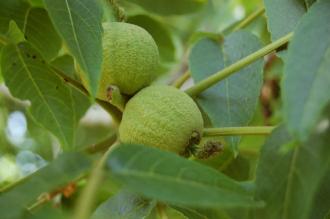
[[80, 102], [238, 169], [289, 182], [39, 30], [12, 10], [233, 101], [36, 27], [306, 76], [65, 169], [65, 63], [124, 205], [29, 78], [160, 33], [14, 34], [283, 16], [167, 177], [321, 205], [171, 7], [79, 24]]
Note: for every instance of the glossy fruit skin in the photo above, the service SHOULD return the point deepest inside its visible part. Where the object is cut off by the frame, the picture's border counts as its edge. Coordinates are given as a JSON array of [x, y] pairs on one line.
[[130, 58], [162, 117]]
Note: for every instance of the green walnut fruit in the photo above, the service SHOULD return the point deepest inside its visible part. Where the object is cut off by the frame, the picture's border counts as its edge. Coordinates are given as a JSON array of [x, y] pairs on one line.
[[130, 58], [162, 117]]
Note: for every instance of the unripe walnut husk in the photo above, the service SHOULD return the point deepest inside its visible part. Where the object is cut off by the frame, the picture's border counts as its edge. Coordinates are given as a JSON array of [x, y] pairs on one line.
[[130, 59], [162, 117]]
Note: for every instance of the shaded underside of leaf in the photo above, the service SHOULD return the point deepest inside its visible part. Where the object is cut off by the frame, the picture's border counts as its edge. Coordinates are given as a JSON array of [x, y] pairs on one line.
[[12, 10], [321, 205], [307, 76], [289, 181], [80, 102], [283, 16]]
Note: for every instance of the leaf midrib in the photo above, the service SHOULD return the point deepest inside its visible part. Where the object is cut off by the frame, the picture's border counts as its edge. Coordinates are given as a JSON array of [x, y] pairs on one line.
[[155, 164], [224, 203], [288, 189], [308, 99], [74, 120], [26, 16], [76, 38], [174, 180]]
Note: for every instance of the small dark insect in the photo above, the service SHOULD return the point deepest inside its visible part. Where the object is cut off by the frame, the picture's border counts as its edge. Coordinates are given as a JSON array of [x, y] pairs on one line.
[[34, 56]]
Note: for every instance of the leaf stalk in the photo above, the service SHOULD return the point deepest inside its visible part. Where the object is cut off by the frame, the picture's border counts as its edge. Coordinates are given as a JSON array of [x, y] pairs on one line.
[[249, 19], [112, 110], [182, 79], [230, 131], [226, 72]]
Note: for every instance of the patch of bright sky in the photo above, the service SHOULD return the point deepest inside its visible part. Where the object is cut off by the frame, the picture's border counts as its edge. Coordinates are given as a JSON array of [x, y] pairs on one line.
[[239, 12], [16, 127]]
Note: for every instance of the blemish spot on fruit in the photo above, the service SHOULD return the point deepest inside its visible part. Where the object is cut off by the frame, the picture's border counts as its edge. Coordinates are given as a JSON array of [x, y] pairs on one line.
[[109, 93], [209, 149]]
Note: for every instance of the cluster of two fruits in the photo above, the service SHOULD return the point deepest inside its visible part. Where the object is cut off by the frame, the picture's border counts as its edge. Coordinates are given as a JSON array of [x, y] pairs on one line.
[[158, 116]]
